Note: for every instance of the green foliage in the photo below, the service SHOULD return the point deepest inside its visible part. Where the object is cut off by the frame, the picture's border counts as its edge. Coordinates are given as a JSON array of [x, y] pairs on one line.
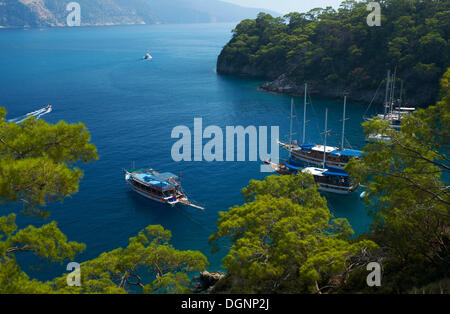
[[326, 43], [408, 194], [111, 272], [36, 161], [116, 271], [439, 287], [36, 166], [299, 189], [284, 240], [46, 242]]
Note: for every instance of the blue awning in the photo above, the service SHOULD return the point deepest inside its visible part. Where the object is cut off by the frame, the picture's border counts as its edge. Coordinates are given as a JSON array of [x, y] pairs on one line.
[[307, 146], [335, 173], [165, 176], [292, 167], [159, 181], [347, 152]]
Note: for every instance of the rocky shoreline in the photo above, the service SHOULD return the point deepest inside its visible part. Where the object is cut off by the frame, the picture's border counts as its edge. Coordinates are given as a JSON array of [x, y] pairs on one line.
[[284, 85], [207, 281]]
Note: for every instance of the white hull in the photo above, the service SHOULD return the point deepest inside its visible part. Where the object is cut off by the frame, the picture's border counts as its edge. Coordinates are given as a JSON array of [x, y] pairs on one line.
[[171, 200], [150, 196], [315, 161], [323, 187], [154, 198], [378, 137]]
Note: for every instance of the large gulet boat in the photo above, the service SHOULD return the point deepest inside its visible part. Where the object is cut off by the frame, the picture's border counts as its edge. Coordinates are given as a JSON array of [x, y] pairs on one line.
[[313, 154], [327, 179]]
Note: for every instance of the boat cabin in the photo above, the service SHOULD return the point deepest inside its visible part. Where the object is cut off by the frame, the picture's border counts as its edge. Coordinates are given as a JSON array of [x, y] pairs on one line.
[[158, 185]]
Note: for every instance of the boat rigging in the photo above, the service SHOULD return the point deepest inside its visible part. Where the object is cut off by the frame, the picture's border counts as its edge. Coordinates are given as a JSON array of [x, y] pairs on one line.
[[313, 154], [327, 179]]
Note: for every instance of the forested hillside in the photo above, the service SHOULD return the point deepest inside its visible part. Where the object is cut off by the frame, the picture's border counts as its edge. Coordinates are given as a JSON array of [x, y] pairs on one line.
[[335, 50], [44, 13]]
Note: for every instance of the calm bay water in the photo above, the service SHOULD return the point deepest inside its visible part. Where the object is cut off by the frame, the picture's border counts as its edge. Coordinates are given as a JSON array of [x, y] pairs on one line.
[[96, 75]]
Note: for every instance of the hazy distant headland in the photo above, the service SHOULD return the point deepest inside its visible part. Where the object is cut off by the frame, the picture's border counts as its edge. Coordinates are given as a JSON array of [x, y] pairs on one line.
[[50, 13]]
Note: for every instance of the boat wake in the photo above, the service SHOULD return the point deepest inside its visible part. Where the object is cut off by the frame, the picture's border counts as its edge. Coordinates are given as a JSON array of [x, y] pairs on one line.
[[37, 114]]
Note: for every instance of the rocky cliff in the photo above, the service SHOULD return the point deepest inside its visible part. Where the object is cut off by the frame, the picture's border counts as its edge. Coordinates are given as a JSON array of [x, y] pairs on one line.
[[284, 85]]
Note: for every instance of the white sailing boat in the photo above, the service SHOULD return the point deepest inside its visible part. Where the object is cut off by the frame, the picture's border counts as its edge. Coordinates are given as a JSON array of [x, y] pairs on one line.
[[392, 113]]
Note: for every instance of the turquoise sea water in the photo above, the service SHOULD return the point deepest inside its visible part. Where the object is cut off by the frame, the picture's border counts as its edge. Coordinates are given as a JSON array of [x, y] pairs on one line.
[[96, 75]]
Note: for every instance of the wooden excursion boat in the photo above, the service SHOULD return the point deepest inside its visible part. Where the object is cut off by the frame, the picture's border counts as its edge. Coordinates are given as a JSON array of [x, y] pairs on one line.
[[313, 154], [327, 178], [159, 187]]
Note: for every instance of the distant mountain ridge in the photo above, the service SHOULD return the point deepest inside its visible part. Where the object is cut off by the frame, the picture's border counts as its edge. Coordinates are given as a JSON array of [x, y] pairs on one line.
[[49, 13]]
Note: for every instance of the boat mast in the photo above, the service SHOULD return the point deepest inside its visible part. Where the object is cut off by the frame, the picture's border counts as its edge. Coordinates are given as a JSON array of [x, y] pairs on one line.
[[304, 114], [401, 95], [343, 123], [400, 101], [325, 141], [393, 90], [290, 126], [387, 92]]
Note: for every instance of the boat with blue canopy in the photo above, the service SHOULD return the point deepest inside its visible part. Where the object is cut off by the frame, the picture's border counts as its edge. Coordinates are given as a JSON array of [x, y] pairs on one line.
[[327, 178], [313, 154], [332, 180], [161, 187]]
